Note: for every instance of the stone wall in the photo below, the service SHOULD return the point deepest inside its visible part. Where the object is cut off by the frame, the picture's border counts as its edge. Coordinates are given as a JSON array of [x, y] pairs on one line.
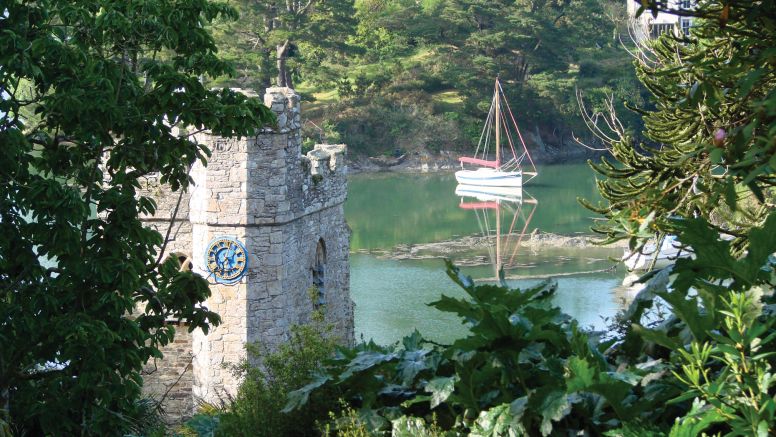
[[282, 206], [170, 381], [162, 221]]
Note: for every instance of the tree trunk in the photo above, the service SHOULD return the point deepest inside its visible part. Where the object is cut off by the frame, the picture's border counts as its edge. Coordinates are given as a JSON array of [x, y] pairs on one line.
[[283, 75]]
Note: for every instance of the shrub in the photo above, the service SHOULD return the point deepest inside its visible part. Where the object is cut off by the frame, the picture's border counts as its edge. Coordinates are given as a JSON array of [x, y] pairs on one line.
[[269, 376]]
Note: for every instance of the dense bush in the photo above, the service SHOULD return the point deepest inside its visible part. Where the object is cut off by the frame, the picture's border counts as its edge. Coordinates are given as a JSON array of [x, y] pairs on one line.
[[397, 121], [268, 377]]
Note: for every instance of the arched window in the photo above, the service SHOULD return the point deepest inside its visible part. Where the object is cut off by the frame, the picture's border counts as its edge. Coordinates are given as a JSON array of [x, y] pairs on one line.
[[319, 274], [183, 259]]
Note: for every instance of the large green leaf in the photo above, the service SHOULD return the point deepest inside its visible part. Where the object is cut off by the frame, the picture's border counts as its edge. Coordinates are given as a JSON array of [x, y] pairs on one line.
[[297, 398], [699, 418], [440, 389], [554, 408]]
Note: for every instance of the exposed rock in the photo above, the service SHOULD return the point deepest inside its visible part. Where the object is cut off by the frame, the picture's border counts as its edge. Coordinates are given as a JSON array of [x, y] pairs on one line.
[[467, 244]]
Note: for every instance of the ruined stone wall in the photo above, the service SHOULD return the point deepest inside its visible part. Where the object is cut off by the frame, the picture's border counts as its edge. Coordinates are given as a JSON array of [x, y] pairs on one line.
[[281, 205]]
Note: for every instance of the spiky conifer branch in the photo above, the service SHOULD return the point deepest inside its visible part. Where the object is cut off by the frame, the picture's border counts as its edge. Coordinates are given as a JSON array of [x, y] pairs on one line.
[[712, 130]]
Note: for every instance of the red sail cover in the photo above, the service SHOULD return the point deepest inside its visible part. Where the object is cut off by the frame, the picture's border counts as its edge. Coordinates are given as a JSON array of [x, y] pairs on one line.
[[482, 162]]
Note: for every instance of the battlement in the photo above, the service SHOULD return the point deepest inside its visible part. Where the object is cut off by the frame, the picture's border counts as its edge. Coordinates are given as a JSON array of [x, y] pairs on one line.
[[285, 103], [325, 182], [265, 179]]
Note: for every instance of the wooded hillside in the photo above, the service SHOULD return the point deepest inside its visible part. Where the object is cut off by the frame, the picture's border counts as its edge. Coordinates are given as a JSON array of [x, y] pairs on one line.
[[392, 76]]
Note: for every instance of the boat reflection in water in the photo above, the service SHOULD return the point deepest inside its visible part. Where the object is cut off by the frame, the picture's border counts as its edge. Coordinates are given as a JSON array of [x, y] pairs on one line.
[[503, 215]]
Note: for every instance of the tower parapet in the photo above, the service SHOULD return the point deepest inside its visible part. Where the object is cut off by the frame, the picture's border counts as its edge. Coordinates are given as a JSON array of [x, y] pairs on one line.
[[325, 183]]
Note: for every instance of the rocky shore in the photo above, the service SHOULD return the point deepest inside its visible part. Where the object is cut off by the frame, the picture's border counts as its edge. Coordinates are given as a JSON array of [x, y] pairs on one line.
[[468, 244], [445, 161]]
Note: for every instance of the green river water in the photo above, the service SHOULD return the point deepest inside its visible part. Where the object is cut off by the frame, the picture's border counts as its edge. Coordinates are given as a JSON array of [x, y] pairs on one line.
[[390, 210]]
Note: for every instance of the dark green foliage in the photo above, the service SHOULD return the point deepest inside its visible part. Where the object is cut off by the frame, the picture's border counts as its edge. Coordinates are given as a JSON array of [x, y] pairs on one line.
[[382, 124], [203, 425], [268, 378], [718, 340], [92, 95], [275, 42]]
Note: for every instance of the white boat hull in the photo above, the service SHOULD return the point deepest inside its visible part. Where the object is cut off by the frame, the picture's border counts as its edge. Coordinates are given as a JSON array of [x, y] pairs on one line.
[[485, 193], [489, 177]]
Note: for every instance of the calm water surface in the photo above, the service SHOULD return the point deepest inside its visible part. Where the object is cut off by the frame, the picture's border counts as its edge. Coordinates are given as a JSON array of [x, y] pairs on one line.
[[388, 210]]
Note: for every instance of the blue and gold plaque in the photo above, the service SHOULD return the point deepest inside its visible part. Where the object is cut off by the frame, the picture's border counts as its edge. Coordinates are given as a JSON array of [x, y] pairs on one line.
[[226, 259]]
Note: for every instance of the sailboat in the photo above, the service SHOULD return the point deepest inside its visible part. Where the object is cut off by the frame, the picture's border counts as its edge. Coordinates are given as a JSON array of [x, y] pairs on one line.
[[500, 125], [495, 208]]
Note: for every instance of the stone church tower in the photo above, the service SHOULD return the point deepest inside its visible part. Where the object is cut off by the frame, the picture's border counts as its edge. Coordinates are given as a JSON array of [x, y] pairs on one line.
[[264, 224]]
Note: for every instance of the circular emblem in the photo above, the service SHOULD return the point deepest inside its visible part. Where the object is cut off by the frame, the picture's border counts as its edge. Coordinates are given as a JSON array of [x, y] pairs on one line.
[[226, 259]]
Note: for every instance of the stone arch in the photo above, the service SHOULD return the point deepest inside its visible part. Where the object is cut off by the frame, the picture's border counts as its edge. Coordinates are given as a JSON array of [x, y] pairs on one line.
[[184, 260], [319, 274]]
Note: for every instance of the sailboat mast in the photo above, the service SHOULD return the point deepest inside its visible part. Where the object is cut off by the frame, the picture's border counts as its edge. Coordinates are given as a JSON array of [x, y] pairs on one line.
[[498, 238], [498, 126]]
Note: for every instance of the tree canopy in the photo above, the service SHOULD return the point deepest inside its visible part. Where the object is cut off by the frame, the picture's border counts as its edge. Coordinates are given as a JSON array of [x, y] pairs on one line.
[[383, 75], [96, 95], [275, 41]]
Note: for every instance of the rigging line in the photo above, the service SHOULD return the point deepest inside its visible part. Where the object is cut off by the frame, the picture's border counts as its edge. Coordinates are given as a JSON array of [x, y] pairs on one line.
[[490, 124], [484, 230], [508, 135], [517, 128], [511, 165], [508, 132], [486, 146], [522, 232], [491, 234], [518, 213], [485, 132], [512, 226]]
